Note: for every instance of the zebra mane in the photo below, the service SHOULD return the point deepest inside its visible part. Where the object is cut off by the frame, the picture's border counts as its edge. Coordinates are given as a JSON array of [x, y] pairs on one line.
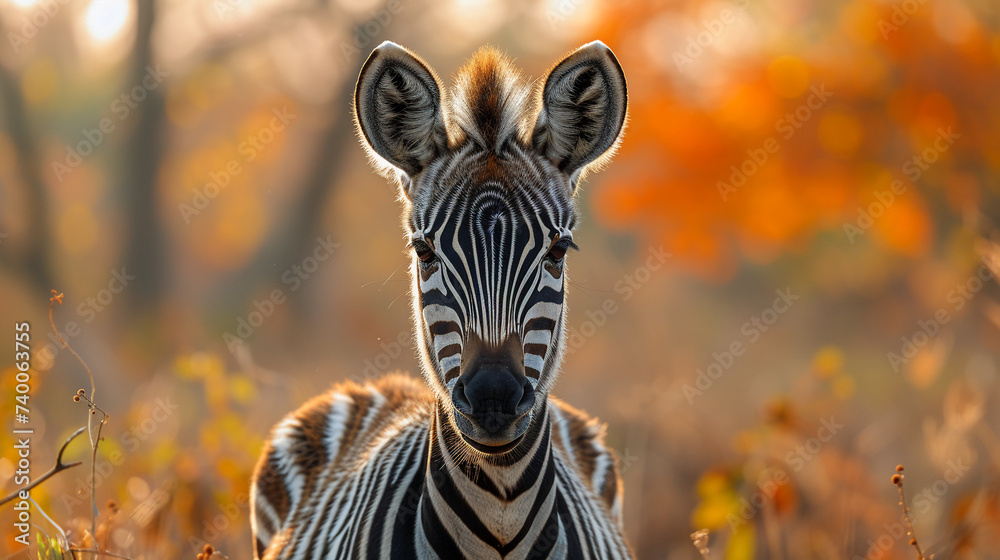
[[490, 101]]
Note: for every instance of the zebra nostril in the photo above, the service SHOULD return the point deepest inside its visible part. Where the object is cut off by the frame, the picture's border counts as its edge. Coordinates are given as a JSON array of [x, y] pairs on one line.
[[527, 399], [460, 399]]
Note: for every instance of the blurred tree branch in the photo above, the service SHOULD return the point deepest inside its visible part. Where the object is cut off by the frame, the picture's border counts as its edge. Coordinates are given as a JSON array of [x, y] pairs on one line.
[[144, 251], [32, 262], [285, 246]]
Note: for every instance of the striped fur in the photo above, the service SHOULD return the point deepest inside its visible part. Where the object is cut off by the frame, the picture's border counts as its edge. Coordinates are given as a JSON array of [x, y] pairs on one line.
[[358, 471], [399, 469]]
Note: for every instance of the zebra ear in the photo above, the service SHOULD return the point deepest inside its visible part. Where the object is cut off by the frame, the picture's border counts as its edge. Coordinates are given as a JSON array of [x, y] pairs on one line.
[[583, 106], [397, 104]]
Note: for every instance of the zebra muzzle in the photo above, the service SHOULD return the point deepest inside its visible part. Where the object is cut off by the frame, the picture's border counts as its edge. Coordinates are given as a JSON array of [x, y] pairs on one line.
[[493, 402]]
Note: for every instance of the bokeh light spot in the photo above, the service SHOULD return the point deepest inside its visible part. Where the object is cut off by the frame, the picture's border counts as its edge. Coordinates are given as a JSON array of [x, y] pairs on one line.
[[77, 229], [137, 488], [935, 111], [39, 81], [905, 227], [788, 76], [840, 133], [106, 18]]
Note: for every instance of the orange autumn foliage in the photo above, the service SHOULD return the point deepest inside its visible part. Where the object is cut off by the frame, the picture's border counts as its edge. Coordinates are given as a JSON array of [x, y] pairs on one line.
[[697, 172]]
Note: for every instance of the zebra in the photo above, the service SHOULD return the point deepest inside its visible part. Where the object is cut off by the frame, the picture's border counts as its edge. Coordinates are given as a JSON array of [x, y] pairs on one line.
[[479, 460]]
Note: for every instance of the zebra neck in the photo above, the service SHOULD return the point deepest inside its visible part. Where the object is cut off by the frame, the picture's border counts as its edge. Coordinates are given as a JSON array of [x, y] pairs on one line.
[[501, 501]]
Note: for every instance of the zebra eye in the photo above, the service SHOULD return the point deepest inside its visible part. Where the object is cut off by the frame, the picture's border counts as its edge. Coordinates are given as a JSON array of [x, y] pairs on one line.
[[558, 251], [424, 252]]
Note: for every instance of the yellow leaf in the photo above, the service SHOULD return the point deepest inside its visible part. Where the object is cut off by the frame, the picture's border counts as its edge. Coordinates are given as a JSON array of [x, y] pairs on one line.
[[712, 483], [843, 386], [712, 512], [828, 361], [742, 544]]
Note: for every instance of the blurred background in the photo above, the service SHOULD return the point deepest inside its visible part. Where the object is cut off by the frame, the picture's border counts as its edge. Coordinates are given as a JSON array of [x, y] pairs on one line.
[[798, 242]]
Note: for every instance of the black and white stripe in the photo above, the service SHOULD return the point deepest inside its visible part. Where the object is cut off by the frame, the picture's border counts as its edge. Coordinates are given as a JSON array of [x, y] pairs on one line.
[[400, 484], [491, 241]]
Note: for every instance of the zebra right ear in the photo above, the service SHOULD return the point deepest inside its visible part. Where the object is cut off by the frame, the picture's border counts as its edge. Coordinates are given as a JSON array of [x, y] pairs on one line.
[[397, 104], [582, 110]]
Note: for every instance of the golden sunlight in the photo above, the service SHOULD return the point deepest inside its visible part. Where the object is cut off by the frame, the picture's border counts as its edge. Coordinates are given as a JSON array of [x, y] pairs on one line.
[[105, 19]]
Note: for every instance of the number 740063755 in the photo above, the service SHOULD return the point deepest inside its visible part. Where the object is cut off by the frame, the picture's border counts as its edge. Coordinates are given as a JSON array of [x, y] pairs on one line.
[[22, 360]]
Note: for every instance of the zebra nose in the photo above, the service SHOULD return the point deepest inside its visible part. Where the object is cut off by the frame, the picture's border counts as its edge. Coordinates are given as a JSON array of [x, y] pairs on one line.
[[494, 397]]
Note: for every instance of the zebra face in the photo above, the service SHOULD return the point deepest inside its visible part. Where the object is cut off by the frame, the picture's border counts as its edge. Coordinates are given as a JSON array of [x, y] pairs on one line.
[[488, 180], [489, 247]]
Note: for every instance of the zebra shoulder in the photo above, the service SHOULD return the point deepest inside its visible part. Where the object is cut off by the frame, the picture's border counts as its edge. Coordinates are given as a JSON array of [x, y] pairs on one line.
[[328, 432], [581, 437]]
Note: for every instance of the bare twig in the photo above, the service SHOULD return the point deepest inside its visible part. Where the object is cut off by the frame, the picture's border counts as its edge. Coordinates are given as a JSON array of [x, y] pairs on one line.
[[98, 553], [95, 442], [59, 467], [94, 409], [897, 479], [58, 297], [63, 541]]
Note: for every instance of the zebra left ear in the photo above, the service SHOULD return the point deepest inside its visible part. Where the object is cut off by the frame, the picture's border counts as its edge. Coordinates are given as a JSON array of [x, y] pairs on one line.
[[583, 107], [398, 107]]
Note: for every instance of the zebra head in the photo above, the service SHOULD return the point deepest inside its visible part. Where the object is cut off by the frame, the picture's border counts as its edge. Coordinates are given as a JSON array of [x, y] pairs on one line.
[[487, 174]]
